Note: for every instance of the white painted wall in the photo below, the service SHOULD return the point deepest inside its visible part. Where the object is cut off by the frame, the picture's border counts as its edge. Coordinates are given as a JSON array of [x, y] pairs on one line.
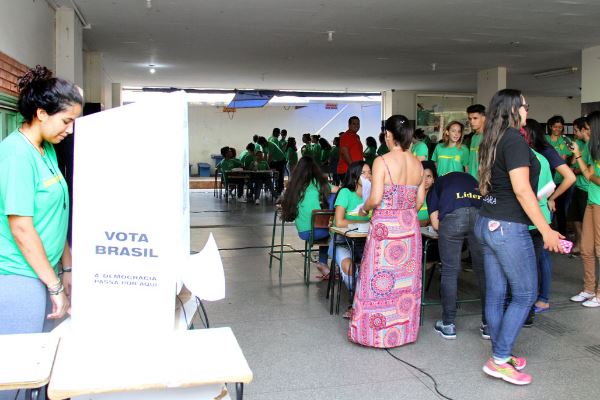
[[542, 108], [210, 128], [27, 32], [590, 84]]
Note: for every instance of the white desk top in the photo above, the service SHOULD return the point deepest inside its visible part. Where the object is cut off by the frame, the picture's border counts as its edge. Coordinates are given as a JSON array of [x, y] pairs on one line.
[[92, 365], [348, 232], [431, 234], [26, 360]]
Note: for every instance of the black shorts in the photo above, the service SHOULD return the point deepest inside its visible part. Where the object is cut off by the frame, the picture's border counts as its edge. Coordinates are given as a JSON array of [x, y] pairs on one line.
[[578, 205]]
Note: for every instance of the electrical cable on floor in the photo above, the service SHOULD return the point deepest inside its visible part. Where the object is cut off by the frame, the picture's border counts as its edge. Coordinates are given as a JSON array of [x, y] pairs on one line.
[[435, 384]]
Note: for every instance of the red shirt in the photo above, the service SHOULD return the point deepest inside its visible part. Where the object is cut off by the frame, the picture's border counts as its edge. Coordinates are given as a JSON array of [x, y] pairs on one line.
[[351, 141]]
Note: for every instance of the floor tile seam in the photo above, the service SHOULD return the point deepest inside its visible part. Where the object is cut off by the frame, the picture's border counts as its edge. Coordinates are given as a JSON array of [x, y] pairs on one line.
[[370, 382]]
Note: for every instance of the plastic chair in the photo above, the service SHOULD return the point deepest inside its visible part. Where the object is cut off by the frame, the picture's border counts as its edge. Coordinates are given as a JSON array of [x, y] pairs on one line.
[[319, 219]]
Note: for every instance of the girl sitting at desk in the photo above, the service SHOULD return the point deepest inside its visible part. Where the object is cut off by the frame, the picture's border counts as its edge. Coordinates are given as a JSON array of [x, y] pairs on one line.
[[429, 177], [308, 190], [356, 183]]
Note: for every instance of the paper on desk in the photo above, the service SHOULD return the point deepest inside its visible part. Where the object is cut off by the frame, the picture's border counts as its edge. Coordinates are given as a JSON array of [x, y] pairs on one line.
[[203, 275]]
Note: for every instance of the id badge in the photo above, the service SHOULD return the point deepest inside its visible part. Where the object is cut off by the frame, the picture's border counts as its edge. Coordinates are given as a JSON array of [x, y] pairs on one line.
[[493, 225]]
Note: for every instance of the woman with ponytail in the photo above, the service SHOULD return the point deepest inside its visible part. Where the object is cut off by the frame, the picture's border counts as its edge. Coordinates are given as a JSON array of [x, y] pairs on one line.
[[34, 206], [508, 170]]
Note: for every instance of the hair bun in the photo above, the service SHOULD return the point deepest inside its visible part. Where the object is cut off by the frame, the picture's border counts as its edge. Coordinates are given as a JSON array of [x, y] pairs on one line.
[[34, 75]]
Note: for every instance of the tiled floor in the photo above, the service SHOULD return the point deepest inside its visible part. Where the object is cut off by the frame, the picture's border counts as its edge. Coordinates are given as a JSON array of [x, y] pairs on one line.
[[298, 351]]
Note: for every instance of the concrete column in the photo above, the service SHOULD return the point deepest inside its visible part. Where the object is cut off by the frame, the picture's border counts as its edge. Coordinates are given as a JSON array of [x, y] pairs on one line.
[[116, 95], [69, 43], [93, 83], [590, 79], [489, 81], [399, 102]]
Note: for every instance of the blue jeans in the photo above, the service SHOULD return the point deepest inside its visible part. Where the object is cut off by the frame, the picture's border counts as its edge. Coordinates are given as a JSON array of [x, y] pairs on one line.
[[319, 233], [544, 266], [509, 259], [454, 229]]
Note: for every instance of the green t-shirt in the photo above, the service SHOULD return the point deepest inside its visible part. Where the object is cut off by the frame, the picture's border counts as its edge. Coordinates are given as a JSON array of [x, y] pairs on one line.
[[544, 178], [420, 149], [593, 189], [291, 156], [247, 161], [228, 164], [283, 144], [563, 150], [262, 166], [581, 183], [370, 154], [423, 213], [309, 202], [474, 155], [275, 152], [349, 200], [334, 156], [325, 156], [450, 159], [31, 186], [257, 147], [274, 140], [383, 149]]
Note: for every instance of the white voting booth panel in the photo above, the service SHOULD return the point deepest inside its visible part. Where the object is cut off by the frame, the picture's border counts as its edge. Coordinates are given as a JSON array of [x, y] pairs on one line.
[[130, 215]]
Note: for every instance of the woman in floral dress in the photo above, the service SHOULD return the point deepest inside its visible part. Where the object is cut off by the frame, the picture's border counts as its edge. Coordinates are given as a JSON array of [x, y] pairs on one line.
[[388, 296]]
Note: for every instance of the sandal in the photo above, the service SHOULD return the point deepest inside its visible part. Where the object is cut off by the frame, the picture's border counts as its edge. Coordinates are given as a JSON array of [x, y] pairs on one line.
[[323, 269], [324, 277], [347, 314]]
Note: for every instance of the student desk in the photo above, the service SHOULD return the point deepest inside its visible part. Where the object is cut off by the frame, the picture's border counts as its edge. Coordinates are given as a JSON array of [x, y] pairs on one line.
[[247, 177], [351, 235], [153, 365], [26, 361]]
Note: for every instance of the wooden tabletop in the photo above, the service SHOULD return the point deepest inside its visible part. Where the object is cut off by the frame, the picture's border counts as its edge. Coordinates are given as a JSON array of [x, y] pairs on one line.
[[348, 232], [26, 360], [87, 364]]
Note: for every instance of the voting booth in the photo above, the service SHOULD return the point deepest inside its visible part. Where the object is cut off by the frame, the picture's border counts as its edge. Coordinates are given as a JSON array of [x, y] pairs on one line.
[[130, 215]]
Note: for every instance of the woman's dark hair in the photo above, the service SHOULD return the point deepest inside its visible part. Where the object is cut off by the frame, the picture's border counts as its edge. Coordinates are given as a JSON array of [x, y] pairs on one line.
[[536, 136], [38, 88], [580, 122], [276, 132], [306, 138], [419, 134], [306, 171], [224, 151], [336, 141], [371, 142], [250, 147], [382, 138], [291, 144], [430, 165], [324, 144], [503, 113], [400, 129], [262, 141], [554, 119], [352, 176], [593, 120], [255, 138], [284, 132]]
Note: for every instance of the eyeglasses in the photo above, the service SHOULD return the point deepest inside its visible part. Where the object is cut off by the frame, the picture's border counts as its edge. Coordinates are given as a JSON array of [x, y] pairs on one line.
[[525, 106]]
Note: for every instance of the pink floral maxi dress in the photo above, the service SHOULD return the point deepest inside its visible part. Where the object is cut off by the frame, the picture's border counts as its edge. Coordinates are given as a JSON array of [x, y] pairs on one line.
[[387, 303]]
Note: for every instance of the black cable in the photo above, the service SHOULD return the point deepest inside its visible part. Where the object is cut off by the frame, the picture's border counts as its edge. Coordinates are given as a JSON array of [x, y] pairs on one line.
[[184, 313], [17, 394], [435, 384], [201, 305]]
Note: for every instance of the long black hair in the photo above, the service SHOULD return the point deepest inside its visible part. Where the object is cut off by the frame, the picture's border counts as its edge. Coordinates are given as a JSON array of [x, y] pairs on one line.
[[503, 113], [39, 89], [352, 176], [593, 120], [306, 172], [291, 144], [535, 132], [401, 130]]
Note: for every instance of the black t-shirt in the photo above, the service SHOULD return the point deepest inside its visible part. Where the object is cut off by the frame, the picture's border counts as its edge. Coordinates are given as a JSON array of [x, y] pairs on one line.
[[501, 203], [451, 192], [554, 159]]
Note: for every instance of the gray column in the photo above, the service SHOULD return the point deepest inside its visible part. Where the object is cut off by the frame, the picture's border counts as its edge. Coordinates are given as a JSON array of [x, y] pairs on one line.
[[489, 81]]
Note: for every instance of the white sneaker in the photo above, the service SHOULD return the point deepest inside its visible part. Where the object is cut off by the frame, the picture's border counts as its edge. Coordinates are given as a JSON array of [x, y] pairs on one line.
[[583, 296], [592, 303], [257, 202], [242, 200]]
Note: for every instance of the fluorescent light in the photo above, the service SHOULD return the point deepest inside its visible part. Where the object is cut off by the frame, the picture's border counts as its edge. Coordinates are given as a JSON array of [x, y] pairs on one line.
[[556, 72]]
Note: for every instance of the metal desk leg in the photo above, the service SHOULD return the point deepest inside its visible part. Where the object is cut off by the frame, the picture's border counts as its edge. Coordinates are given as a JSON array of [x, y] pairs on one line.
[[423, 273], [273, 240], [281, 249], [239, 390], [332, 274]]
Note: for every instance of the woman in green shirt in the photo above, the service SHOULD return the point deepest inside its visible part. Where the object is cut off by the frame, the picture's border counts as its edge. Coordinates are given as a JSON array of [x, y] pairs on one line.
[[370, 152], [291, 155], [334, 158], [429, 177], [34, 206], [325, 152], [347, 203], [451, 155], [308, 190]]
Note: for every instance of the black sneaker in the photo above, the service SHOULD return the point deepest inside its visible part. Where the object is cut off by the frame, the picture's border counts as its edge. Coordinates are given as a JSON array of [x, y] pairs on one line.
[[485, 332], [529, 321], [447, 331]]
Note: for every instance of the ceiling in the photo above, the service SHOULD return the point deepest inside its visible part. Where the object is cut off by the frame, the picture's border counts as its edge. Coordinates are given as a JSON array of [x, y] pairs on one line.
[[377, 44]]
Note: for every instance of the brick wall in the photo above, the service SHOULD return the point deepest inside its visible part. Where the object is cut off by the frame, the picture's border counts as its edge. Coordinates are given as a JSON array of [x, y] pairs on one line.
[[10, 71]]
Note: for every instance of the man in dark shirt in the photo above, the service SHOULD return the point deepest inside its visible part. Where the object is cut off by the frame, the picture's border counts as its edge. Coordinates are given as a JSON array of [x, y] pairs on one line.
[[453, 204]]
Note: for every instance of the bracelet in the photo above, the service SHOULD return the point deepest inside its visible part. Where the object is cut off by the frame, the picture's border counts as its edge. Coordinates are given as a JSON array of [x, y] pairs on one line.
[[577, 158], [67, 269], [58, 291], [56, 286]]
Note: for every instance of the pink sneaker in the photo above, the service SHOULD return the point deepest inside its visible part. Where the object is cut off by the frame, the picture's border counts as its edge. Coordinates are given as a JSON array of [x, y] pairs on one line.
[[518, 363], [506, 372]]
